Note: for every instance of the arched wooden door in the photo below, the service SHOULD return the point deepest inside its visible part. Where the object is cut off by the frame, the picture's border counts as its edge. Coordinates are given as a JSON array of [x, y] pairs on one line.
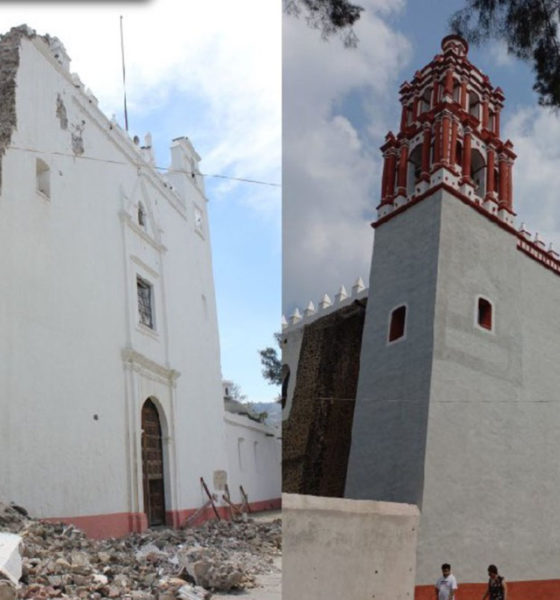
[[152, 465]]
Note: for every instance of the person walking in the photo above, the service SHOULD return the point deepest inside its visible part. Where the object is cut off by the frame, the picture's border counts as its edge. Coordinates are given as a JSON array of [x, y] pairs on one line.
[[497, 589], [446, 584]]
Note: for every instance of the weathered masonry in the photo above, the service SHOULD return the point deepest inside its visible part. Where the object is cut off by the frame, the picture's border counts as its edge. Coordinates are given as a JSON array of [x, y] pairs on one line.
[[110, 382]]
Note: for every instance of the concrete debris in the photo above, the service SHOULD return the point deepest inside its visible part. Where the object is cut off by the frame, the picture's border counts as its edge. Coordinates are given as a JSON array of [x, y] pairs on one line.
[[59, 561], [10, 559]]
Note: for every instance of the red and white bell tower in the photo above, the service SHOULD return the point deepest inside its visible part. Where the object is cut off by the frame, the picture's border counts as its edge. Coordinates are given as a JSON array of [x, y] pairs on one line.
[[449, 138]]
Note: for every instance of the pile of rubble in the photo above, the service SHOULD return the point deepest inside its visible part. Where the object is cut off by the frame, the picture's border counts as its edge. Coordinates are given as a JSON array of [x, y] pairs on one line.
[[59, 561]]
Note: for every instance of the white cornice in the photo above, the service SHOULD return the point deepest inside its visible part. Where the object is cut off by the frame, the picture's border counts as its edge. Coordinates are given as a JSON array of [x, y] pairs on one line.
[[126, 218], [138, 362]]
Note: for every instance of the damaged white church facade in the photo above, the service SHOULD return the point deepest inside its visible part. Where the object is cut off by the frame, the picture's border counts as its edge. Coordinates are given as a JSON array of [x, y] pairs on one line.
[[110, 385]]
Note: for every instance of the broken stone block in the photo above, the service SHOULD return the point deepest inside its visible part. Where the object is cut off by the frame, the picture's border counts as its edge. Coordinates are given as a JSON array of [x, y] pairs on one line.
[[10, 556]]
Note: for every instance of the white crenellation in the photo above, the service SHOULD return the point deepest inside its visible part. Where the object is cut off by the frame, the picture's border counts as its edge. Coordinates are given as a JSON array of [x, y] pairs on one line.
[[325, 306], [310, 310], [325, 302], [341, 295], [296, 316]]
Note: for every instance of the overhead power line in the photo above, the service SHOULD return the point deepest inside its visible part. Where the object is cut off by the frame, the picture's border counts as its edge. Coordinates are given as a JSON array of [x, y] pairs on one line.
[[155, 167]]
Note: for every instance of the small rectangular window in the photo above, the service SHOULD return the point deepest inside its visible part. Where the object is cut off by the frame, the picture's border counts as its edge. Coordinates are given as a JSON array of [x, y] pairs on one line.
[[484, 314], [145, 304], [397, 324]]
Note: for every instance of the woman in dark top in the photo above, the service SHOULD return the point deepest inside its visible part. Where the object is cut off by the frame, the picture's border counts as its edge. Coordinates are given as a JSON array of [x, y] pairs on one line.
[[497, 589]]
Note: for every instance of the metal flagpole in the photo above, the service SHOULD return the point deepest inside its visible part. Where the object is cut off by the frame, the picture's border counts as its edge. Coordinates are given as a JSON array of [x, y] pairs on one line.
[[123, 77]]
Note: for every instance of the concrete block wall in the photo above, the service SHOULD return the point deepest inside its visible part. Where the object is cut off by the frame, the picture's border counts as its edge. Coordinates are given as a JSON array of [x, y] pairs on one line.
[[340, 548]]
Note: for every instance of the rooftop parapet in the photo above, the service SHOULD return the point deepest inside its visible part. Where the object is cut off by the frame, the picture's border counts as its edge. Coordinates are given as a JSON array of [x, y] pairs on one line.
[[325, 306]]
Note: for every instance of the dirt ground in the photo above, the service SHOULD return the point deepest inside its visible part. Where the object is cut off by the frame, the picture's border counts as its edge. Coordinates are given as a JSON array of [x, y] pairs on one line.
[[269, 585]]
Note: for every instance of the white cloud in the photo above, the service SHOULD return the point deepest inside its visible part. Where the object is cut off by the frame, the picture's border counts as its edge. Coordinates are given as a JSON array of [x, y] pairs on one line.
[[499, 52], [331, 162], [535, 132], [222, 58]]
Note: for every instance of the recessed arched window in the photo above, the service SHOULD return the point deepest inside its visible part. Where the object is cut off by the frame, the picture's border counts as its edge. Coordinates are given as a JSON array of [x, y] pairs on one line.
[[397, 324], [456, 91], [414, 169], [474, 105], [492, 121], [426, 101], [484, 314], [459, 153], [478, 173], [42, 174], [285, 383]]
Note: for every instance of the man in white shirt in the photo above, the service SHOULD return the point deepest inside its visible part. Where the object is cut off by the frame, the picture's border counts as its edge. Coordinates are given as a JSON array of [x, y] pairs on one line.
[[446, 585]]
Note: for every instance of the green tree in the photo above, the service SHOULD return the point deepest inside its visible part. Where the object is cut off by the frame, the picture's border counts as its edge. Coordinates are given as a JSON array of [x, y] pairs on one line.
[[272, 365], [529, 29], [329, 16]]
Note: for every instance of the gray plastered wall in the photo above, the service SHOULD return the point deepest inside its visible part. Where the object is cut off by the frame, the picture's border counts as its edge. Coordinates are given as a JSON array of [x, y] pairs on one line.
[[459, 420], [491, 478], [390, 419]]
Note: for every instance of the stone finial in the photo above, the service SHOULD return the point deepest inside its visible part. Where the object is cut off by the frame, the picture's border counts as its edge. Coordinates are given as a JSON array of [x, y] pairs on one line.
[[358, 286], [283, 322], [342, 294], [296, 316], [524, 232], [538, 241], [76, 81], [325, 302], [58, 51], [310, 310]]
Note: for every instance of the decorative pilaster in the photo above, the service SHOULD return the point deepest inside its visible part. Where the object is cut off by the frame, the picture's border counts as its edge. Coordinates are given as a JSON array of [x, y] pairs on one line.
[[467, 157], [464, 94], [490, 168], [403, 164], [445, 137], [426, 147], [437, 145], [485, 112], [453, 149]]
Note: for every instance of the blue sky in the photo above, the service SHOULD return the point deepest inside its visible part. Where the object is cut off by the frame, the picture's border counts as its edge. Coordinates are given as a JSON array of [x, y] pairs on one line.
[[210, 71], [339, 103]]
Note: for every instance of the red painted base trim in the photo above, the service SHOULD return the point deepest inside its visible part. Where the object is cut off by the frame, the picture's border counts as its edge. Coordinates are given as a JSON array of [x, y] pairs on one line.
[[119, 524], [517, 590], [104, 526], [176, 518]]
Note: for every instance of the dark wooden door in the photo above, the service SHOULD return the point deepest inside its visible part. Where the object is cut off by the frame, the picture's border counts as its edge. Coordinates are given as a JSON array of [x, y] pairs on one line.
[[152, 465]]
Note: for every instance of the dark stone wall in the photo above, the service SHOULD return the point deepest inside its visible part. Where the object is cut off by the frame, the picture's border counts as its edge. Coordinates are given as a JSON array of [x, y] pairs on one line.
[[316, 436]]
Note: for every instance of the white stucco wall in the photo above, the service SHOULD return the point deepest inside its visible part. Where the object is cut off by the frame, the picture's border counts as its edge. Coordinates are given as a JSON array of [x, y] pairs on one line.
[[77, 365], [254, 459]]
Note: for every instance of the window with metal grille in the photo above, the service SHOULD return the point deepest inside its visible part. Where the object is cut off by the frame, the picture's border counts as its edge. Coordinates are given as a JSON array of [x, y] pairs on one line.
[[484, 314], [141, 215], [397, 323], [145, 302]]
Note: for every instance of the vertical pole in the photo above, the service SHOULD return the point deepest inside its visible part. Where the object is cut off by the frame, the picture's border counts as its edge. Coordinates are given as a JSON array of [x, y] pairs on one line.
[[123, 77]]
